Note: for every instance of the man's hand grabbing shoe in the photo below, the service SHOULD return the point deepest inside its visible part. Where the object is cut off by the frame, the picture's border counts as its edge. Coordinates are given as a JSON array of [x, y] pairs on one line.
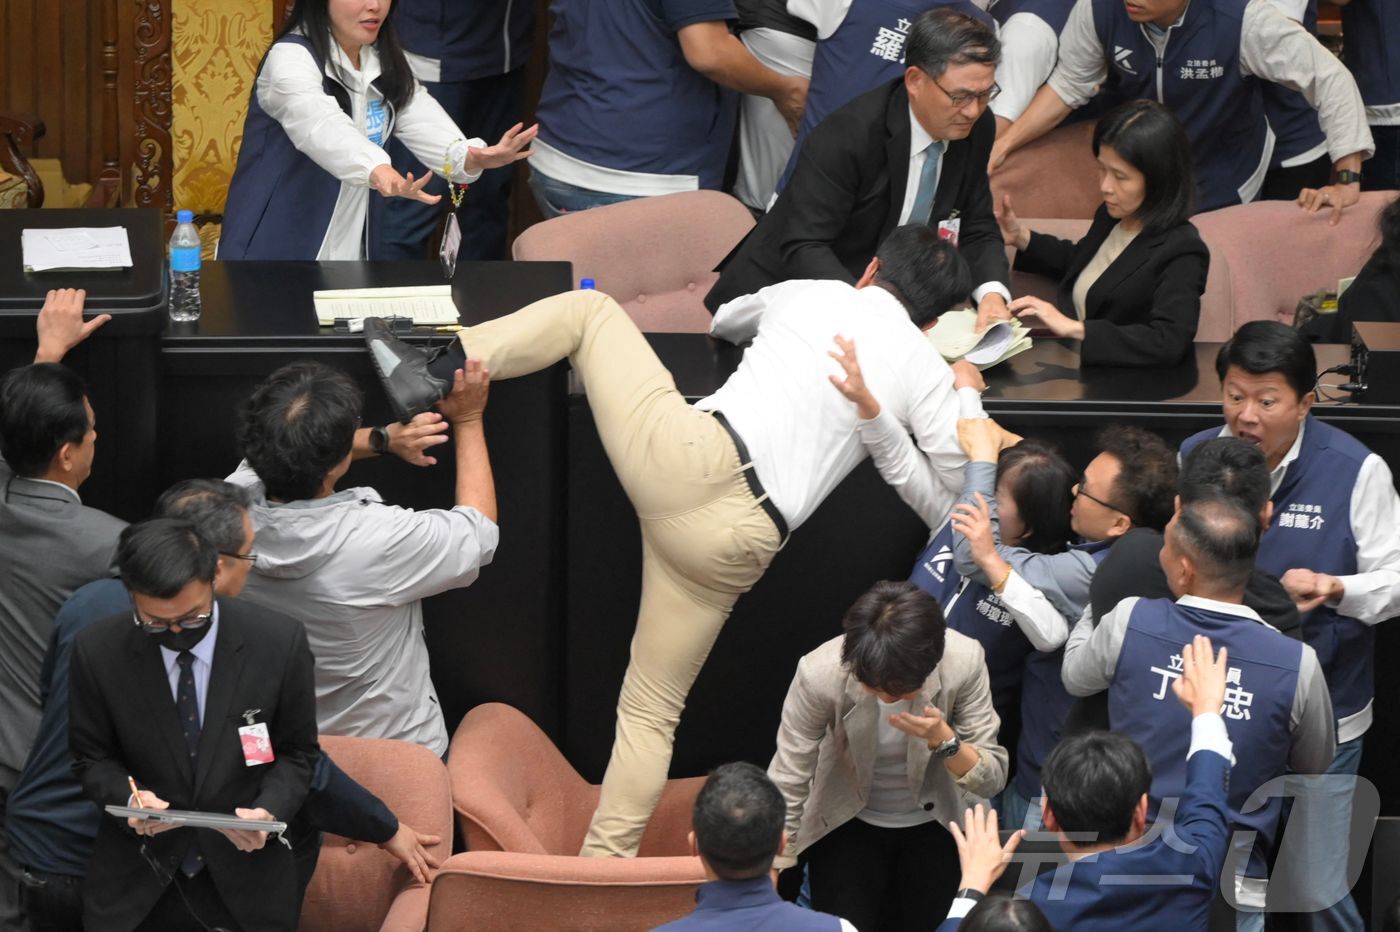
[[403, 371]]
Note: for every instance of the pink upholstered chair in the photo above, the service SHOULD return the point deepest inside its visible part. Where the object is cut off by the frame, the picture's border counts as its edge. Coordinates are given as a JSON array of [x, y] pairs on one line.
[[1054, 177], [654, 255], [524, 812], [357, 887]]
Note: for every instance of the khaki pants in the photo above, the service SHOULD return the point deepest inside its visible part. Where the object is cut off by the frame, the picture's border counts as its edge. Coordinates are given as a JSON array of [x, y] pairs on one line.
[[705, 539]]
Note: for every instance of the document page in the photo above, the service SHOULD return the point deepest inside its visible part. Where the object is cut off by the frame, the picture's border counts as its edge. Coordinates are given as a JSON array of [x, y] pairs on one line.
[[51, 250], [426, 305]]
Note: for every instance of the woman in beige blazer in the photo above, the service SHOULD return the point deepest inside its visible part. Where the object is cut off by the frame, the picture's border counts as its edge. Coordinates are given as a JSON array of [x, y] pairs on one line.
[[886, 732]]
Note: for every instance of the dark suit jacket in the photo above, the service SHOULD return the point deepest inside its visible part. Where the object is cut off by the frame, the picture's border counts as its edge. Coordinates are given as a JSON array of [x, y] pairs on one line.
[[1143, 309], [846, 194], [123, 721], [1375, 295]]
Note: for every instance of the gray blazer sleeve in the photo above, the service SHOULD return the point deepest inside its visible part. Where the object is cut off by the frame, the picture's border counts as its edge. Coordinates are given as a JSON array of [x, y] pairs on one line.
[[1313, 727], [1091, 653], [794, 763]]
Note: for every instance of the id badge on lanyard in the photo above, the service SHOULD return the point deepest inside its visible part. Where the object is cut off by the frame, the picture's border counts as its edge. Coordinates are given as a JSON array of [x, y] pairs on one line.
[[452, 231], [948, 229]]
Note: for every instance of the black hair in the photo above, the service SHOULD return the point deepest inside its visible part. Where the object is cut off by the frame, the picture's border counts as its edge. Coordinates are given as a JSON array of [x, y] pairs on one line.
[[998, 912], [161, 556], [1150, 138], [944, 36], [1093, 781], [1261, 347], [216, 508], [1221, 538], [1227, 469], [894, 637], [1041, 484], [1146, 483], [1389, 251], [312, 18], [296, 426], [41, 409], [924, 271], [738, 820]]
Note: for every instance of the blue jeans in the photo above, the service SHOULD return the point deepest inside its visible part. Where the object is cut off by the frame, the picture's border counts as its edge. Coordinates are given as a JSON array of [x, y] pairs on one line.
[[1382, 170], [1017, 811], [556, 197], [484, 107], [1320, 828]]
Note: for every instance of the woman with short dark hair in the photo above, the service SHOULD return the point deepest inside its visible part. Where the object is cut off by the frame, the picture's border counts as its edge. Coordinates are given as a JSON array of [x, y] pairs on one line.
[[1130, 290], [1375, 294]]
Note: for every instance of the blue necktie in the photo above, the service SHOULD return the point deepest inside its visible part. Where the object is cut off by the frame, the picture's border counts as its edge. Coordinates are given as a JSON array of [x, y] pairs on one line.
[[928, 183], [187, 705]]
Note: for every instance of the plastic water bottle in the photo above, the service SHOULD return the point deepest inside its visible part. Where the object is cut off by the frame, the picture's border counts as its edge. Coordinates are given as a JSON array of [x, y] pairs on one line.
[[184, 268]]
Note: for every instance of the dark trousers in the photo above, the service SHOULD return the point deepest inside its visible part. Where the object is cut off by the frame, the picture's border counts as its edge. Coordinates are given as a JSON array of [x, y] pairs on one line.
[[52, 902], [1382, 171], [1283, 184], [485, 107], [186, 898], [893, 879]]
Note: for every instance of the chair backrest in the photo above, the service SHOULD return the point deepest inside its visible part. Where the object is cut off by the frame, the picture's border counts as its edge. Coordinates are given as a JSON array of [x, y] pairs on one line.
[[512, 789], [654, 255], [357, 885], [1277, 253], [1062, 157], [216, 46], [493, 891]]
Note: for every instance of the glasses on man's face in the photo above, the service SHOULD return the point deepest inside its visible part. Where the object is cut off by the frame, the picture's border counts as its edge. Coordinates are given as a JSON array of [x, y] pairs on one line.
[[153, 625], [963, 98], [250, 556], [1079, 490]]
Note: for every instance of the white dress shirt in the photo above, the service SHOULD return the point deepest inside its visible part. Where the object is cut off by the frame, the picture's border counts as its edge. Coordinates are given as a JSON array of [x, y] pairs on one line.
[[1029, 48], [1272, 48], [290, 89], [203, 663], [803, 435]]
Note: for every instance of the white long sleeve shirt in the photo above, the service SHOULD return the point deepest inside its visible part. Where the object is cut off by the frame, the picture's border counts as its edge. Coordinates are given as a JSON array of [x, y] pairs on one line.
[[350, 147], [1029, 50], [1272, 48], [803, 435]]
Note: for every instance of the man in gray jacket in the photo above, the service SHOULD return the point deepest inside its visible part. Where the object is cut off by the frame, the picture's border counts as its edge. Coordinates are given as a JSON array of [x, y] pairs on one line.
[[352, 568]]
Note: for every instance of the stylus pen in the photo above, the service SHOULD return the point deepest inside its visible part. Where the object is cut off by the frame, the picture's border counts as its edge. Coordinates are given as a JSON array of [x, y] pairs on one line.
[[135, 793]]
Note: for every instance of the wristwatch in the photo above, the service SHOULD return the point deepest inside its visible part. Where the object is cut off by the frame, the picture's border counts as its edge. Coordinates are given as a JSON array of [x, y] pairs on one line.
[[1346, 176], [948, 748], [968, 893], [379, 439]]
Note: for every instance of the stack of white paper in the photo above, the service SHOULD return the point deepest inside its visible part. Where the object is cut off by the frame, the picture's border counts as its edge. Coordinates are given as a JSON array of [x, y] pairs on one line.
[[955, 338], [427, 305], [72, 248]]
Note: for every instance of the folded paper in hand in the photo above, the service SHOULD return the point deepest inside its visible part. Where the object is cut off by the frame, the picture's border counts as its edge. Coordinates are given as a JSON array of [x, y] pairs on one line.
[[426, 305], [67, 249], [955, 338]]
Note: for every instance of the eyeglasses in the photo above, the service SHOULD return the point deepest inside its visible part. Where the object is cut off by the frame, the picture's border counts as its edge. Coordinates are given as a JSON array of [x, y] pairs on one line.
[[250, 556], [1079, 490], [161, 625], [963, 98]]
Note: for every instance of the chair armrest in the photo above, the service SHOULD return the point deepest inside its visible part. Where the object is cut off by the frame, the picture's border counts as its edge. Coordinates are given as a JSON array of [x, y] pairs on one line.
[[409, 911], [17, 130]]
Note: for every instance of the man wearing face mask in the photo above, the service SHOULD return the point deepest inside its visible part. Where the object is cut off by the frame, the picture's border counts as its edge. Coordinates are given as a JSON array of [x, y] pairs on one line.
[[171, 698]]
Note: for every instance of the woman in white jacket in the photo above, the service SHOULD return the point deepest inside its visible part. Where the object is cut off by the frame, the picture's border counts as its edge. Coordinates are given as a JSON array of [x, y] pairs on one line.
[[331, 90]]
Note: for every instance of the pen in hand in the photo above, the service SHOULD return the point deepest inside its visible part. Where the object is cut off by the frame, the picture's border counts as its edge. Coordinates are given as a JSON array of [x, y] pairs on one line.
[[135, 793]]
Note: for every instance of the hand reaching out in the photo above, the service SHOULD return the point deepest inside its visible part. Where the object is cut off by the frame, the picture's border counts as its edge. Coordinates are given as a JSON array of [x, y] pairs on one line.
[[411, 848], [511, 148], [60, 324], [980, 851], [853, 385], [411, 442], [390, 183], [1012, 232], [1201, 686], [467, 400]]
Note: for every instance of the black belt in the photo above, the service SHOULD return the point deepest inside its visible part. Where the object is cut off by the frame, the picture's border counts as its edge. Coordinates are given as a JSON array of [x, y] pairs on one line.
[[751, 477]]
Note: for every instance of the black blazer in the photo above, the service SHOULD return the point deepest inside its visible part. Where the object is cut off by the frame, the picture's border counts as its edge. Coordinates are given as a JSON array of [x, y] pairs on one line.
[[1375, 295], [1144, 308], [845, 196], [123, 721]]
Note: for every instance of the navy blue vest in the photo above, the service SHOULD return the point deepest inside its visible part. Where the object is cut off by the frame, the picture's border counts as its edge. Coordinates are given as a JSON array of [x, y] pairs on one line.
[[1199, 78], [620, 94], [1262, 679], [1052, 12], [1370, 37], [471, 40], [1044, 702], [280, 201], [1311, 528], [975, 610], [1291, 117], [730, 905], [865, 51]]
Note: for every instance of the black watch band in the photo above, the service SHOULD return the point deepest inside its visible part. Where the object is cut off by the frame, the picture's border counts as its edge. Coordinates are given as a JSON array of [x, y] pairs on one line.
[[967, 893], [379, 439], [1346, 176]]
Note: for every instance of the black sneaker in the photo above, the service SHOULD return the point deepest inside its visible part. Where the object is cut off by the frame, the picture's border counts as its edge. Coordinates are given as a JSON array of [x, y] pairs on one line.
[[403, 371]]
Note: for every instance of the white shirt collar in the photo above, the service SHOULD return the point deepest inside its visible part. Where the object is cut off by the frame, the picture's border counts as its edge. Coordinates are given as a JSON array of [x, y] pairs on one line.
[[204, 650], [347, 73], [1281, 470], [1224, 608], [919, 139]]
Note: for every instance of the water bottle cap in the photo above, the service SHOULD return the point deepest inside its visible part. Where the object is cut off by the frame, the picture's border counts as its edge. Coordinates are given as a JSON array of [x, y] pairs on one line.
[[586, 283], [184, 216]]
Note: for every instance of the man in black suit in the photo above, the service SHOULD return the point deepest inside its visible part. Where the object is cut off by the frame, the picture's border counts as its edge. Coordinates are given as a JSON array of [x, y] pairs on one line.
[[911, 151], [173, 695]]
